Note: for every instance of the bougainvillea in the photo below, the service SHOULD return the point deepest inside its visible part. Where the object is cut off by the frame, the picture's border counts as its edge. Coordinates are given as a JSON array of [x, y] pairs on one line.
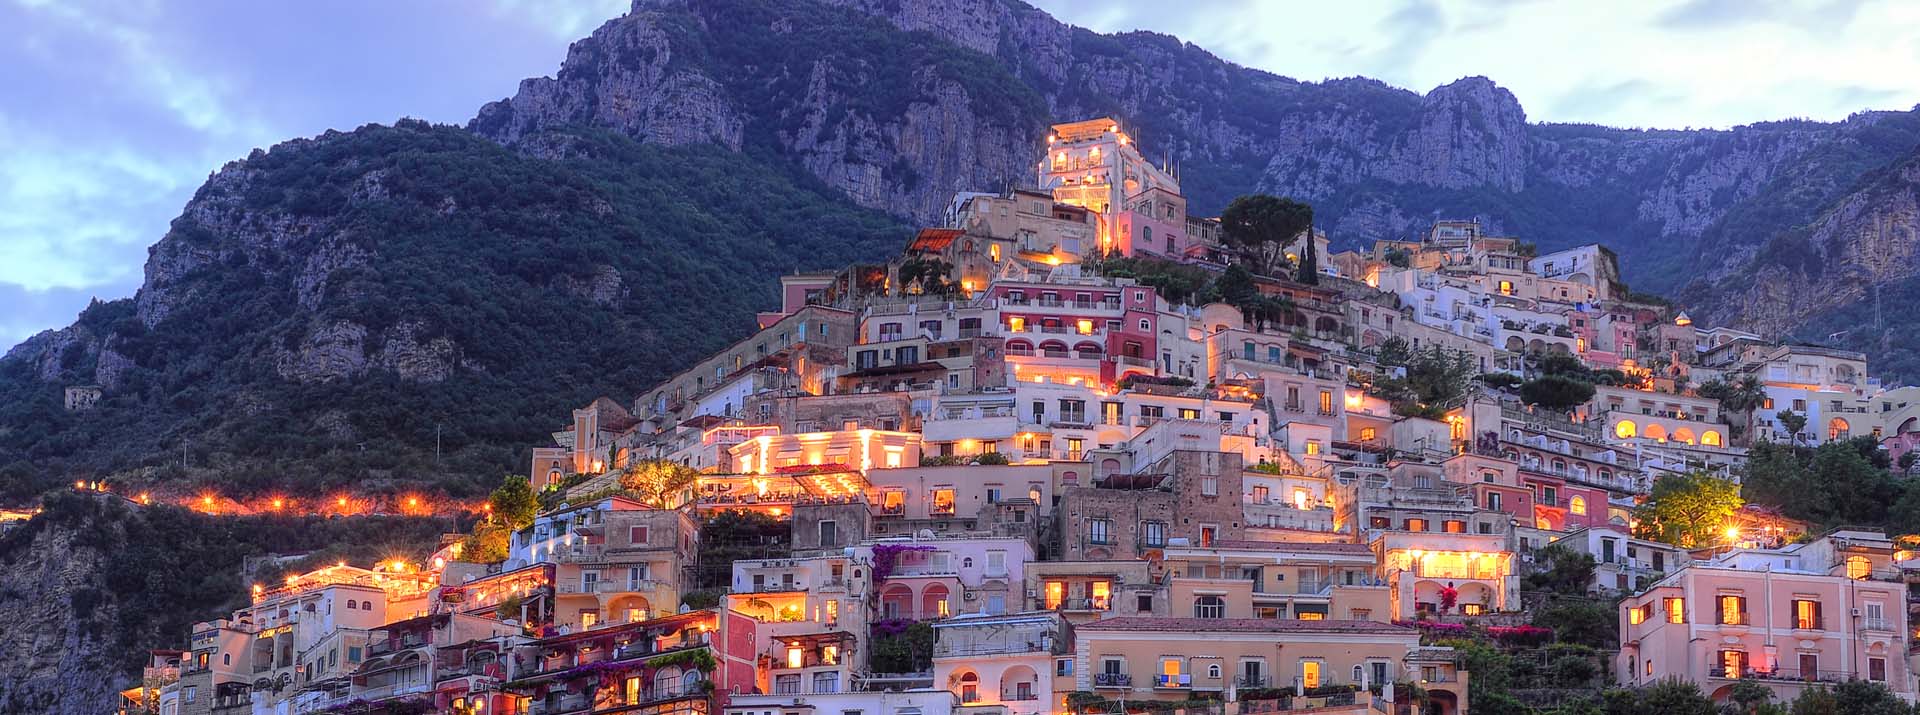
[[887, 556], [1448, 596]]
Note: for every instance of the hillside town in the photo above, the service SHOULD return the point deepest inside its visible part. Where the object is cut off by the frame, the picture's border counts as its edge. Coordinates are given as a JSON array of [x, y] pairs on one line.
[[1079, 451]]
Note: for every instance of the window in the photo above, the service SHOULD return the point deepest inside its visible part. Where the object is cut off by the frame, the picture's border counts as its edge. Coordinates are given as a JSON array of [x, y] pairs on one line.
[[1733, 610], [1099, 531], [1806, 614], [1074, 445], [1189, 414], [189, 693], [1213, 671], [996, 605], [1367, 434], [1637, 615], [1877, 669], [829, 533], [1416, 525], [637, 536], [1493, 501], [1858, 567], [1733, 663], [1326, 402], [1143, 603], [1209, 485], [996, 563], [1154, 533], [1145, 326], [1302, 499], [1577, 505], [1310, 673], [1453, 526], [1209, 607], [1208, 534], [943, 502], [1259, 495], [1313, 447], [1062, 667], [1676, 610]]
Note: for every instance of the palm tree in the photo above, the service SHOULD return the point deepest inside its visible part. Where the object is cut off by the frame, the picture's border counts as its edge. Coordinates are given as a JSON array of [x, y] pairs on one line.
[[1738, 400]]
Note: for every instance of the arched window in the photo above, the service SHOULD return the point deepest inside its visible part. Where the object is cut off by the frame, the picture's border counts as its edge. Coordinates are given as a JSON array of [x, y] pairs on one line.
[[1213, 670], [1683, 435], [1577, 505], [1209, 607], [969, 687], [1626, 429], [1146, 235], [1838, 429], [1858, 567], [1710, 438], [1656, 433]]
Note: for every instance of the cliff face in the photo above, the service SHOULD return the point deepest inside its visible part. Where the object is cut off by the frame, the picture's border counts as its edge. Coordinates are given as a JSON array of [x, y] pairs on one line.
[[58, 658], [335, 309], [827, 84]]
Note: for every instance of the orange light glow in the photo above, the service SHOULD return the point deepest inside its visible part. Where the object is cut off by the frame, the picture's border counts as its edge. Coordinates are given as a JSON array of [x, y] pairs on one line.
[[278, 504]]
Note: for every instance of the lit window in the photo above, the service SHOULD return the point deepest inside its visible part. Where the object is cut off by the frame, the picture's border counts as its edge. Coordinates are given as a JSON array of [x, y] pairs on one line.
[[1313, 447], [1858, 567], [1637, 615], [1577, 505], [1367, 434], [1676, 610], [795, 657]]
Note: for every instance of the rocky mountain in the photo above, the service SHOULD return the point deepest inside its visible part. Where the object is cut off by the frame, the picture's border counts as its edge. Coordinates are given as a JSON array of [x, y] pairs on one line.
[[900, 103], [412, 307], [1844, 279]]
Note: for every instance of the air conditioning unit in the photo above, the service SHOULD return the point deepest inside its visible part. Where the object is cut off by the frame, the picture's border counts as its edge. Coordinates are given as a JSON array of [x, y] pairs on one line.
[[969, 595], [1856, 613]]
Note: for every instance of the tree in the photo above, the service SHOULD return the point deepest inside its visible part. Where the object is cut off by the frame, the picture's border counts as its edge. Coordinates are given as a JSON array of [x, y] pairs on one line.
[[1582, 622], [1907, 460], [1309, 272], [486, 545], [908, 650], [1668, 697], [1738, 399], [514, 503], [1750, 697], [659, 483], [1555, 392], [1235, 286], [1687, 510], [927, 276], [1794, 422], [1561, 571], [1865, 697], [1259, 227]]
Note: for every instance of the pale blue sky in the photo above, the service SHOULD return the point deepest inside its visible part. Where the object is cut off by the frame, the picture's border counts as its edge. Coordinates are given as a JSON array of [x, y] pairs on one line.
[[113, 111]]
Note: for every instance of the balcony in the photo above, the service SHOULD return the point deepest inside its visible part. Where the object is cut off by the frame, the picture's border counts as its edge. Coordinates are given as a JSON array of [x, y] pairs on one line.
[[1173, 682], [1082, 605], [1252, 681], [1719, 671], [1112, 680], [1877, 624], [640, 586], [1019, 696]]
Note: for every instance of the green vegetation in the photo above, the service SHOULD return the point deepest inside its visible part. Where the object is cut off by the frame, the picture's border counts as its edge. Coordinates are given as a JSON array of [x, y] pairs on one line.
[[735, 535], [144, 575], [1688, 510], [1555, 392], [1258, 228], [659, 483], [1435, 377], [1839, 483], [463, 240]]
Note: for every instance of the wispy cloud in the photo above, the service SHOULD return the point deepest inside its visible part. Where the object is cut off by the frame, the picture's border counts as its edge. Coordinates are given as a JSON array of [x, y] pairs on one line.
[[1702, 63], [114, 111]]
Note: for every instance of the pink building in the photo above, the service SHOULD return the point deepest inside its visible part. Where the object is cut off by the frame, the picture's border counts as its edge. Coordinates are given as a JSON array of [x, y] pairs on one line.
[[1069, 331], [930, 579], [1826, 611]]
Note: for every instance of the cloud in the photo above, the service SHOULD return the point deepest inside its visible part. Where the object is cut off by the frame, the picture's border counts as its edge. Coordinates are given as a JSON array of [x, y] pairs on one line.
[[114, 111]]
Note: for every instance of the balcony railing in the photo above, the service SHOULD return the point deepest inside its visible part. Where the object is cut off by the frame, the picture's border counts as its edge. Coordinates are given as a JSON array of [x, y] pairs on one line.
[[1182, 680], [1019, 696], [1112, 680], [1252, 681], [1876, 624], [1719, 671]]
